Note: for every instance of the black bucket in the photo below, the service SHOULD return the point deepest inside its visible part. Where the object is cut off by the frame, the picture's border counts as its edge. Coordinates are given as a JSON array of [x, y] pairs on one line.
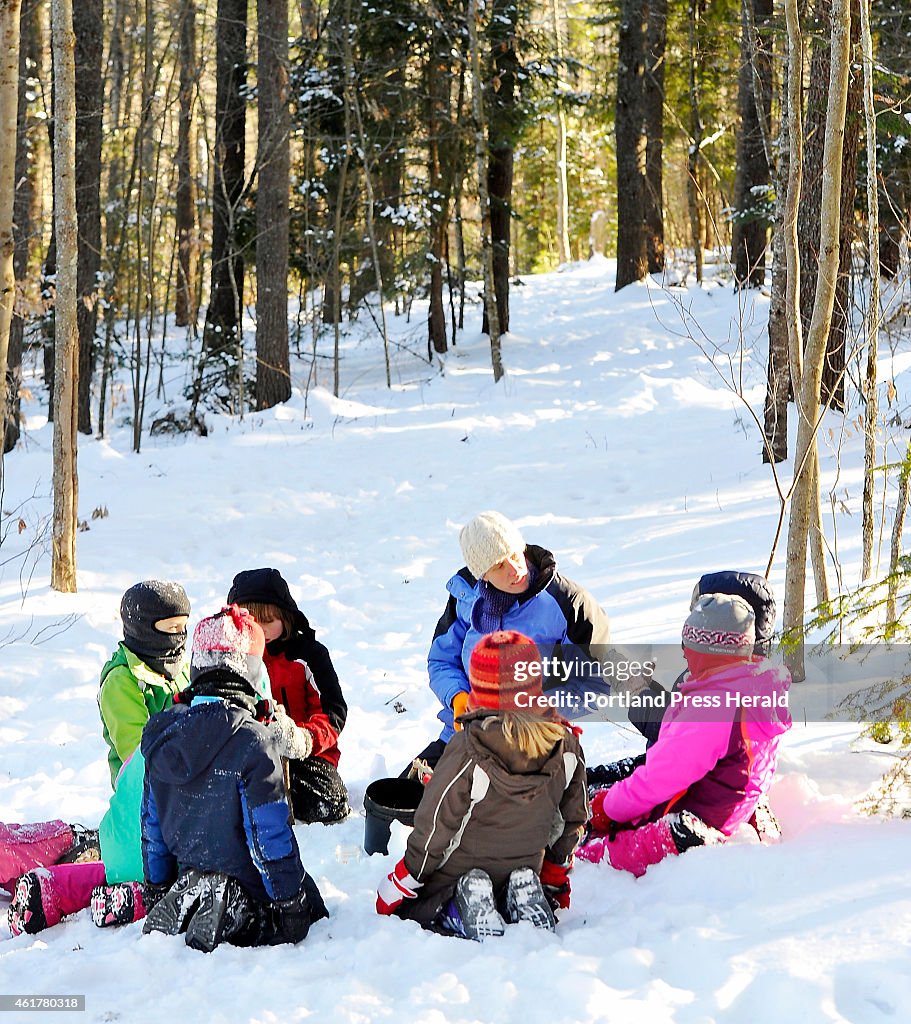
[[385, 801]]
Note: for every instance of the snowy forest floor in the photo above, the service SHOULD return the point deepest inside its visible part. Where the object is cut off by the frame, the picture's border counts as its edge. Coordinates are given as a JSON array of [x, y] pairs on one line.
[[614, 441]]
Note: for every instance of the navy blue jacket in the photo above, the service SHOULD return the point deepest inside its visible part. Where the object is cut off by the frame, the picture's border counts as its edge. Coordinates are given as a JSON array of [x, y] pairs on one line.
[[561, 617], [214, 799]]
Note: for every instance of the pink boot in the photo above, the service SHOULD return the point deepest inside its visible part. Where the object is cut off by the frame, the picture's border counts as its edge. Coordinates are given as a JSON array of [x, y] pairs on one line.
[[41, 898], [122, 903]]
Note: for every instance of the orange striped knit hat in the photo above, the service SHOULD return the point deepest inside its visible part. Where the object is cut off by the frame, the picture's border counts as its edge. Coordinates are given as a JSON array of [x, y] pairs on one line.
[[502, 666]]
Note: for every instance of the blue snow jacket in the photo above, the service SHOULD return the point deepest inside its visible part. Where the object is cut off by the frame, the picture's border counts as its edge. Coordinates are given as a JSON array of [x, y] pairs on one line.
[[214, 799], [563, 619]]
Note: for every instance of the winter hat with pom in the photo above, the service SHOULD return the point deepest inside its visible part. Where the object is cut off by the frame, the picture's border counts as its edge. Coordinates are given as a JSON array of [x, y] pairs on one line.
[[720, 624], [487, 539], [141, 607], [502, 666], [227, 649]]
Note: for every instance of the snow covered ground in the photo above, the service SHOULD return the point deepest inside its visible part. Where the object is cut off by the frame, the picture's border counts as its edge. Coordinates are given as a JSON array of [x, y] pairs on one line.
[[614, 441]]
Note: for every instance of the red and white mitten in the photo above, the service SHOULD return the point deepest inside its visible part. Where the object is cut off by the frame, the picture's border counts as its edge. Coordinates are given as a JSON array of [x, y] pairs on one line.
[[397, 887]]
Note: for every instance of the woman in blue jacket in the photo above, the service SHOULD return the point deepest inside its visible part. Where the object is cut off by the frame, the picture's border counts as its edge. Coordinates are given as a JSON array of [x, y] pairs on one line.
[[508, 584]]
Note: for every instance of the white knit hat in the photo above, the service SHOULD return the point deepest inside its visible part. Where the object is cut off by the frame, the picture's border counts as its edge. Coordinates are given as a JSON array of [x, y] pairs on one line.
[[720, 624], [488, 539]]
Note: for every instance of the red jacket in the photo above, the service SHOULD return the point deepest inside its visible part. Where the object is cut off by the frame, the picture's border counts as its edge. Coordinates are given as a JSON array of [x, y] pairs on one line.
[[293, 686]]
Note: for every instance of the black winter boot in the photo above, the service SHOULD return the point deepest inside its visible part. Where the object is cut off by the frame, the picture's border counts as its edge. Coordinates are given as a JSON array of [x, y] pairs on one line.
[[172, 913], [603, 776], [206, 926], [688, 831]]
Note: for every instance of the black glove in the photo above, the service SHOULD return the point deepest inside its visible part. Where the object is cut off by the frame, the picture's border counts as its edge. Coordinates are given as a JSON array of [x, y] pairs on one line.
[[291, 918]]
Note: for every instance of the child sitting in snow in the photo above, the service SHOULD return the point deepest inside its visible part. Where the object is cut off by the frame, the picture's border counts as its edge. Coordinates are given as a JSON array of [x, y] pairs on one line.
[[647, 715], [140, 679], [305, 689], [147, 668], [217, 845], [716, 751], [503, 811]]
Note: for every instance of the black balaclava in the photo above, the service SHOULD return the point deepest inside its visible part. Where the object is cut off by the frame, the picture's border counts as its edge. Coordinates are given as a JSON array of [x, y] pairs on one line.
[[142, 606]]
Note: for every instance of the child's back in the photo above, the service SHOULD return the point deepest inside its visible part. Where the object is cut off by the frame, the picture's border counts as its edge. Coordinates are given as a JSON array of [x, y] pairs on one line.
[[503, 811]]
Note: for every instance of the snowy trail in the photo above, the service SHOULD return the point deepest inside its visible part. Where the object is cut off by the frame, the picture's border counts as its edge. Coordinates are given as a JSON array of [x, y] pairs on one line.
[[612, 441]]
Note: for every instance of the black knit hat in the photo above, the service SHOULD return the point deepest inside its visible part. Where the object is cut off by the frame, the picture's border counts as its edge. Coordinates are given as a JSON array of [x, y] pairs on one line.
[[753, 589], [268, 586]]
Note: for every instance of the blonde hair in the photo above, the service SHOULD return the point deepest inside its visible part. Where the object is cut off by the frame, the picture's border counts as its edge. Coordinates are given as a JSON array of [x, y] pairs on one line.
[[269, 613], [533, 735]]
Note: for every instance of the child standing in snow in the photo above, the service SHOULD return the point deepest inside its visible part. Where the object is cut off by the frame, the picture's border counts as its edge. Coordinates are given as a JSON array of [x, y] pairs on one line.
[[140, 679], [503, 811], [305, 688], [716, 751], [216, 838]]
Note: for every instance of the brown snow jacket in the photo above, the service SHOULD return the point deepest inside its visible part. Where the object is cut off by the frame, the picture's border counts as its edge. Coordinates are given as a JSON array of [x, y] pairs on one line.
[[489, 806]]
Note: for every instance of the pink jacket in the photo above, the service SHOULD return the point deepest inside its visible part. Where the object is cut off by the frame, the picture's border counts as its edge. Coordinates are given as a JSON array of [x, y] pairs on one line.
[[717, 749]]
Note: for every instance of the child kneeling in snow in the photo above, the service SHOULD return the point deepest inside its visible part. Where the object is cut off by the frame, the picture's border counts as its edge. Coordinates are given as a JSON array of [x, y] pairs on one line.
[[499, 820], [217, 845], [716, 752]]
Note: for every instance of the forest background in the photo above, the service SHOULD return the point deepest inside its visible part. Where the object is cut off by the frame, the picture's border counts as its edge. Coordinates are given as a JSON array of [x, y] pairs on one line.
[[186, 164]]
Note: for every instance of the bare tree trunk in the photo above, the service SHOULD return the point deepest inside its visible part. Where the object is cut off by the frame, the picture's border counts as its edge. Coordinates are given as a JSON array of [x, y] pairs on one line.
[[778, 385], [9, 108], [23, 217], [693, 193], [185, 309], [480, 143], [9, 104], [804, 500], [898, 527], [501, 116], [66, 488], [87, 15], [273, 369], [754, 104], [437, 91], [872, 325], [222, 316], [563, 251], [632, 256], [811, 202], [653, 126]]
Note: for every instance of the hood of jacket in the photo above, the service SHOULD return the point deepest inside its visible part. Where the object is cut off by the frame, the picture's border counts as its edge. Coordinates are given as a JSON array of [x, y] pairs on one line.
[[268, 586], [758, 688], [181, 744], [511, 771]]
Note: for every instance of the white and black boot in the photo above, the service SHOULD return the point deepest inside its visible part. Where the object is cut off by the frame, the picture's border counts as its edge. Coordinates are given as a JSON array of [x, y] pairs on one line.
[[476, 906], [526, 901]]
